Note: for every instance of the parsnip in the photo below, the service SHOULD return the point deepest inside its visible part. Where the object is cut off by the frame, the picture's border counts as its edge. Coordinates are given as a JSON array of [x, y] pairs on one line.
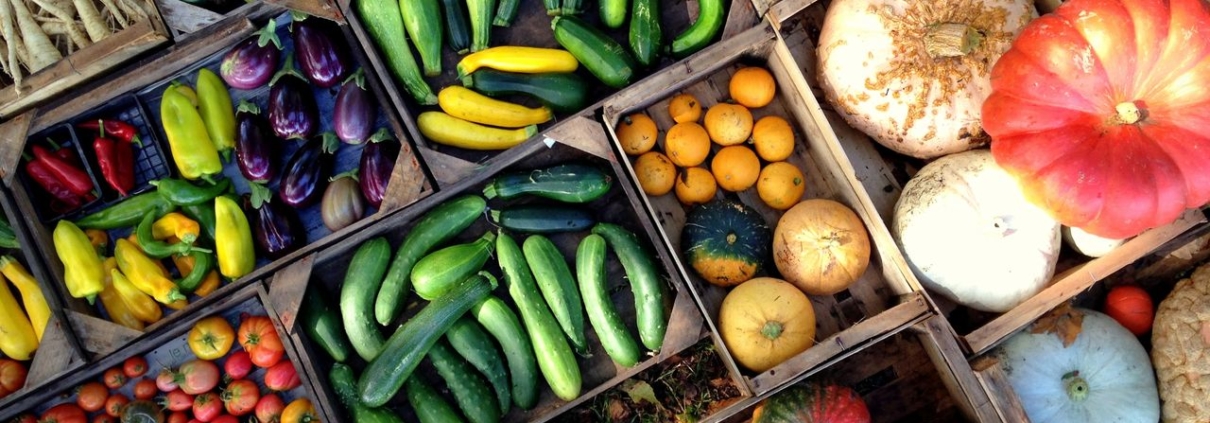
[[113, 11], [133, 10], [66, 24], [91, 17], [41, 52]]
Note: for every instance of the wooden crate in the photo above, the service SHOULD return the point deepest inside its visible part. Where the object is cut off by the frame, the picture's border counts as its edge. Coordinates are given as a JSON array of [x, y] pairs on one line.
[[100, 337], [883, 174], [531, 28], [883, 300], [326, 269], [167, 348], [186, 20]]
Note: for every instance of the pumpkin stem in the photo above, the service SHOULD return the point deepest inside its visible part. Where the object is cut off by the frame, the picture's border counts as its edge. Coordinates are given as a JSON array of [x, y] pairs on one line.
[[1077, 387], [951, 40], [1128, 113], [771, 330]]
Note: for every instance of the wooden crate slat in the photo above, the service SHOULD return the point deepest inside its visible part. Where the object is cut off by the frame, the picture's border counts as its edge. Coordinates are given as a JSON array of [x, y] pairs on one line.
[[183, 17], [100, 336], [1004, 400], [326, 9], [290, 284], [12, 143]]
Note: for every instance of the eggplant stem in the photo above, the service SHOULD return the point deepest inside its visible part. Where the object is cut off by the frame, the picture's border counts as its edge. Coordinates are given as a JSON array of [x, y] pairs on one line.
[[268, 34], [358, 78], [246, 106], [347, 174], [330, 142], [260, 195], [382, 135], [287, 69]]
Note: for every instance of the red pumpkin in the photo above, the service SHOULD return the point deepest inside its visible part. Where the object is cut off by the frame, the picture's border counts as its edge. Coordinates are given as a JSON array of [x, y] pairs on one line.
[[811, 403], [1100, 108], [1131, 307]]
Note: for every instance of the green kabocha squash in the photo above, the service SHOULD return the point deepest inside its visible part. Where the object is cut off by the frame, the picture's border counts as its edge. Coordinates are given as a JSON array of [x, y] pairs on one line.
[[142, 412], [726, 242], [811, 403]]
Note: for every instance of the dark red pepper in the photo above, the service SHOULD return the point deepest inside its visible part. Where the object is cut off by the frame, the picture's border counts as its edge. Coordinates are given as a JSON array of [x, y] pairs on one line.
[[116, 129], [73, 177], [116, 159], [56, 188], [67, 154]]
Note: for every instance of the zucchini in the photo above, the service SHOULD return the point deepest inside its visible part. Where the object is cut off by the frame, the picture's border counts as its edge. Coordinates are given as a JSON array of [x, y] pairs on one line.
[[552, 7], [502, 323], [569, 183], [457, 32], [464, 103], [644, 281], [605, 58], [362, 278], [481, 22], [572, 7], [554, 355], [645, 33], [590, 268], [471, 393], [562, 92], [383, 377], [429, 406], [444, 129], [519, 59], [384, 22], [506, 12], [345, 384], [422, 19], [437, 226], [473, 344], [710, 17], [613, 13], [543, 219], [558, 286], [438, 272], [323, 325]]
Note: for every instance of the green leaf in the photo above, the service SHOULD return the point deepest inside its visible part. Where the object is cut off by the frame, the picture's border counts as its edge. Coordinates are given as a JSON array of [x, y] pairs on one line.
[[641, 391]]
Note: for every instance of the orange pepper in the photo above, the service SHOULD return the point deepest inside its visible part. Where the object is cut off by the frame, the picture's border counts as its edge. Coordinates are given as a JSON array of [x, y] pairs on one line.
[[98, 238], [176, 225], [209, 284]]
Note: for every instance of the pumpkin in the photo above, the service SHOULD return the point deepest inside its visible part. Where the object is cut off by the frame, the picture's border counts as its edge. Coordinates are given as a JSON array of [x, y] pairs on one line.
[[969, 235], [813, 403], [1180, 341], [1100, 109], [1089, 244], [765, 321], [821, 246], [1102, 375], [752, 87], [726, 242], [1131, 307]]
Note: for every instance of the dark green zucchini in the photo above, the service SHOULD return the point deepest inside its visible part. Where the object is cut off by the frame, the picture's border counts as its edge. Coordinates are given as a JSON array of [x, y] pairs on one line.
[[601, 55], [543, 219], [569, 183], [562, 92], [457, 30], [506, 12], [645, 33]]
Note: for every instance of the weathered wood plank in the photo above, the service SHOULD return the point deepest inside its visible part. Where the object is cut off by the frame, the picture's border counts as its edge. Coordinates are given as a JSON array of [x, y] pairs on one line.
[[1003, 399], [182, 17], [960, 380], [326, 9], [55, 354], [12, 142], [101, 337], [584, 134], [288, 288]]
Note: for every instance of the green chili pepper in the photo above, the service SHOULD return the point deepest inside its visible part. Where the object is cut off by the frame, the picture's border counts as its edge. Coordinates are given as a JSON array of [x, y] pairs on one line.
[[204, 215], [185, 193], [127, 213], [202, 263], [159, 249]]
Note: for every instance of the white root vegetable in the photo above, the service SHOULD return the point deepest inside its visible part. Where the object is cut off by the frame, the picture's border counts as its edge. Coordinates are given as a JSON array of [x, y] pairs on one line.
[[65, 25], [117, 14], [14, 43], [134, 11], [42, 52], [93, 22]]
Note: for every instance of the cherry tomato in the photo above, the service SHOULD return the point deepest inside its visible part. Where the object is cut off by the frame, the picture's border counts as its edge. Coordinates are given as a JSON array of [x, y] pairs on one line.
[[134, 367], [145, 389], [114, 378], [91, 396], [115, 404]]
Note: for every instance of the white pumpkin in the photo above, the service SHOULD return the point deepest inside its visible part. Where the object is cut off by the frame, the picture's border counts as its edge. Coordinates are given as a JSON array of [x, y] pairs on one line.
[[1089, 244], [913, 74], [969, 234], [1104, 376]]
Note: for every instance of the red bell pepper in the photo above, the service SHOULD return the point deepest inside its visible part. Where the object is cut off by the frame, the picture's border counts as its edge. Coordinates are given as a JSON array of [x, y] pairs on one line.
[[116, 129], [73, 177], [65, 153], [116, 159], [49, 182]]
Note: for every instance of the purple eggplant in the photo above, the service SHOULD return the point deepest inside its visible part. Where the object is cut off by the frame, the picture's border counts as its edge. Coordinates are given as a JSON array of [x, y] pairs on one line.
[[354, 115], [252, 149], [377, 162], [277, 229], [292, 110], [323, 61], [251, 63], [307, 171]]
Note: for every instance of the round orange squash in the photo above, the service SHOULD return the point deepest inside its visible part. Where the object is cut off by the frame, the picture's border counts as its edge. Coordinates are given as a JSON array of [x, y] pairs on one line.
[[684, 108], [765, 321], [781, 185], [695, 186], [687, 144], [637, 133], [773, 138], [753, 87], [729, 124], [655, 172], [735, 168], [821, 246]]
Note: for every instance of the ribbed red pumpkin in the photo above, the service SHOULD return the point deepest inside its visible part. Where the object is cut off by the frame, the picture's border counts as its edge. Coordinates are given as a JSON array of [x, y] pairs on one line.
[[1100, 110], [811, 403]]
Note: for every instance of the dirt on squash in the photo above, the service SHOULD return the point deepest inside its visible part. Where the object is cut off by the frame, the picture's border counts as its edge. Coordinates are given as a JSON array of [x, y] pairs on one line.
[[685, 388]]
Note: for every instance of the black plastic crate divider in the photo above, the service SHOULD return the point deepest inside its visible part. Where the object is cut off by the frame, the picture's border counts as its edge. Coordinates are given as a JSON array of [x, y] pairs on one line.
[[65, 136], [150, 159]]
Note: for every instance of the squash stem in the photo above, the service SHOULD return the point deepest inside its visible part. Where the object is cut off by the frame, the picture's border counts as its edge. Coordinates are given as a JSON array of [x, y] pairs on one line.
[[772, 330], [1128, 113], [951, 40], [1077, 387]]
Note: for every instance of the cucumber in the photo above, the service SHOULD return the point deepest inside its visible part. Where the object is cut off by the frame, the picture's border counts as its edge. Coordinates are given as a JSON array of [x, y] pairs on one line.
[[543, 219], [558, 287], [365, 272], [345, 384], [572, 7], [554, 355], [470, 391], [605, 58], [457, 32], [552, 7], [384, 22], [383, 377], [710, 18], [645, 33], [481, 22], [422, 20], [502, 323], [569, 183], [506, 12], [324, 326], [437, 226], [644, 281], [473, 344], [429, 406], [590, 268], [436, 273], [613, 13], [562, 92]]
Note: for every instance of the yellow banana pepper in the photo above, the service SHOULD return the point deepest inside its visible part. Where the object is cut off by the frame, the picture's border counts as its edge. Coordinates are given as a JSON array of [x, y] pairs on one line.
[[31, 294], [118, 311], [81, 265], [144, 274], [233, 239], [140, 305], [214, 103], [18, 340], [176, 225], [209, 284], [194, 154]]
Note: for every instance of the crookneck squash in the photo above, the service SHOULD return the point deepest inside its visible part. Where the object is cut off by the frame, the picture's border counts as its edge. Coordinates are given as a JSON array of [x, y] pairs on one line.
[[1100, 108], [726, 242], [813, 403]]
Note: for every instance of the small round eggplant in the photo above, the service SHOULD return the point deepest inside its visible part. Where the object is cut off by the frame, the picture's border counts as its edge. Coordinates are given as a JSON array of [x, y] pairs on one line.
[[323, 61], [252, 150], [307, 170], [354, 114], [277, 230], [251, 63], [293, 113], [342, 204], [377, 162]]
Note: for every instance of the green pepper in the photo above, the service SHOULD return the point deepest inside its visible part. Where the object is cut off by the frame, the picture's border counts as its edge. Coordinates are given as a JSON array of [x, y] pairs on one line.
[[185, 193], [192, 150], [159, 249], [214, 103], [204, 215], [202, 263], [127, 213], [8, 238]]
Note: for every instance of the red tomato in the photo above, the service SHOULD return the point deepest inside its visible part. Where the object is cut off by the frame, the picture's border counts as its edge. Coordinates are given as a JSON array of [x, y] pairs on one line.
[[12, 375], [145, 389], [178, 417], [91, 396], [134, 367], [226, 418], [259, 338], [206, 407], [269, 408], [240, 397], [114, 378], [64, 413], [238, 365], [265, 357], [197, 376], [165, 381], [25, 418], [282, 377], [1131, 306], [104, 418], [115, 404], [177, 400]]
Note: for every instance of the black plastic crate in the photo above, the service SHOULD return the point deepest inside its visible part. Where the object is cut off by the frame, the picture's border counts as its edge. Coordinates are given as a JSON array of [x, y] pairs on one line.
[[65, 137], [150, 159]]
